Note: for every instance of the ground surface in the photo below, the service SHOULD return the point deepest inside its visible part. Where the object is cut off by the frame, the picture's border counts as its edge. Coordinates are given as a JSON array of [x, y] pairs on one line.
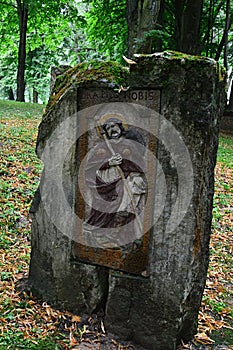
[[29, 323]]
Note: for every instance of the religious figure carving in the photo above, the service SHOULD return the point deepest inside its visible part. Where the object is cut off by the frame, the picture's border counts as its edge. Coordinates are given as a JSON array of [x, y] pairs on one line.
[[116, 183]]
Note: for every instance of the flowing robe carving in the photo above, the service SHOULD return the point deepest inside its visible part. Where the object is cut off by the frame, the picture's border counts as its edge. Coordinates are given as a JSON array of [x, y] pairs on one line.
[[116, 196]]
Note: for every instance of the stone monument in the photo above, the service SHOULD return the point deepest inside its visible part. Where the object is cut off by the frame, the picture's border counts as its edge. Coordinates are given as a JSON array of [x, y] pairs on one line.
[[122, 218]]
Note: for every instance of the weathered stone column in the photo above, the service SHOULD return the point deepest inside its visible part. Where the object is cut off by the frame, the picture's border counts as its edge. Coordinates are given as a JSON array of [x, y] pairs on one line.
[[55, 274], [160, 310], [134, 240]]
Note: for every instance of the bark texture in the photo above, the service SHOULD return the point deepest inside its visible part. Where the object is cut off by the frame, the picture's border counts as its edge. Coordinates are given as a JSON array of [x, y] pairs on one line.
[[23, 21], [141, 18], [188, 15]]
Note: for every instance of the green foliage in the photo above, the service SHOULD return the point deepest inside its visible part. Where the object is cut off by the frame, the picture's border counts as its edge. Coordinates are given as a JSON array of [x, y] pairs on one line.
[[18, 109], [212, 29], [51, 25], [107, 28], [15, 340], [225, 151], [223, 197], [61, 32], [8, 70], [223, 337], [19, 179]]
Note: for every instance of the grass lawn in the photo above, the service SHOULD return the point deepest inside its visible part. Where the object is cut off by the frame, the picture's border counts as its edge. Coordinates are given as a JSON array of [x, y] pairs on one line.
[[28, 323]]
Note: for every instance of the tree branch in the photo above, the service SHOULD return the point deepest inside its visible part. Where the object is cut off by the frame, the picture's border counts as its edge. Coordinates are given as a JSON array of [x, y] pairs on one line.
[[211, 24], [222, 42]]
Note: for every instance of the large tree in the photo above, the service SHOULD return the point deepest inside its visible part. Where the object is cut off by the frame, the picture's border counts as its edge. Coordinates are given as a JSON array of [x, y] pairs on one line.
[[141, 17], [188, 16], [22, 10], [44, 30], [35, 22], [195, 27]]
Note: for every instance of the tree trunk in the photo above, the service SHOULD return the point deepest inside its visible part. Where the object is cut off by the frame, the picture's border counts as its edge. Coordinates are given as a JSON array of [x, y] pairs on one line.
[[23, 19], [158, 45], [11, 94], [179, 14], [190, 34], [222, 43], [208, 37], [227, 26], [35, 96], [141, 18], [209, 28]]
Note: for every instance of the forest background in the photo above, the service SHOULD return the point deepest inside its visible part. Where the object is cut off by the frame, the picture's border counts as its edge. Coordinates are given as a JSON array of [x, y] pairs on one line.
[[37, 35]]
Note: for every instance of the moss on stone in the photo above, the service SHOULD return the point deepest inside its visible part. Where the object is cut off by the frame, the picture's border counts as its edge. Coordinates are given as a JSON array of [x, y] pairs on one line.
[[107, 72], [176, 55], [112, 73], [222, 73], [167, 58]]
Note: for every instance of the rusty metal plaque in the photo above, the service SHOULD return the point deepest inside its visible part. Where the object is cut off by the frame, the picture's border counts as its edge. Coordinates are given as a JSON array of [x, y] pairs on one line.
[[116, 177]]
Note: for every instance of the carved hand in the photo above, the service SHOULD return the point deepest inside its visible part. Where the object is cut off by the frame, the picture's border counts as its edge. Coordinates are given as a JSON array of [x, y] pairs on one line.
[[116, 159]]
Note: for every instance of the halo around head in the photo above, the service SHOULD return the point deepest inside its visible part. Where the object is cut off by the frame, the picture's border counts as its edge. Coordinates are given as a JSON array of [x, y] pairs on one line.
[[102, 120]]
